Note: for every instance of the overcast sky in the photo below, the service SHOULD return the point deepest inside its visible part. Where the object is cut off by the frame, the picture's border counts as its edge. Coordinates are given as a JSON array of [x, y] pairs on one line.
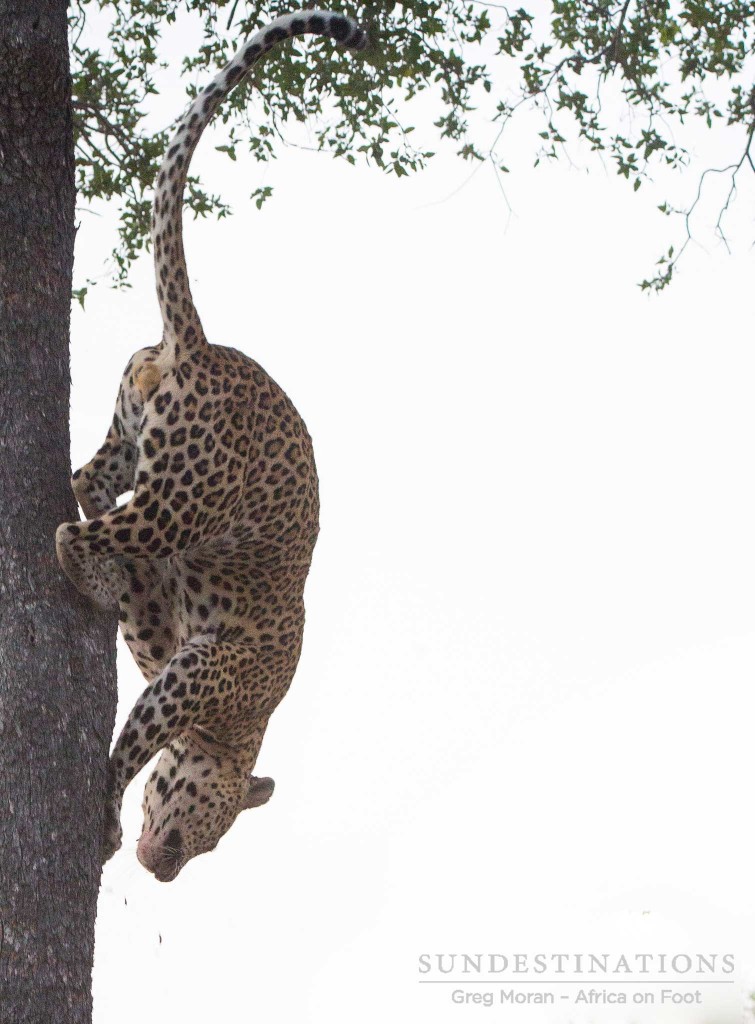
[[523, 717]]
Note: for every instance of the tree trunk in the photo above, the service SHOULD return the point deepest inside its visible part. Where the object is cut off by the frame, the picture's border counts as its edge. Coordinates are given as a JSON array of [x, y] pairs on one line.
[[57, 654]]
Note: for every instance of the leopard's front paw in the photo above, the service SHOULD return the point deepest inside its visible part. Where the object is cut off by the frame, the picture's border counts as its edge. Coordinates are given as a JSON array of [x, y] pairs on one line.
[[113, 832], [89, 507], [88, 574]]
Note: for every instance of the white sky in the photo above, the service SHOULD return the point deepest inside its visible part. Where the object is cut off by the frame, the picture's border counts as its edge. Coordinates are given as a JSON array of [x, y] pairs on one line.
[[523, 717]]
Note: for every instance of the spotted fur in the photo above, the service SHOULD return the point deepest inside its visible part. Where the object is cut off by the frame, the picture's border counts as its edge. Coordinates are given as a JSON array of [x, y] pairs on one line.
[[207, 561]]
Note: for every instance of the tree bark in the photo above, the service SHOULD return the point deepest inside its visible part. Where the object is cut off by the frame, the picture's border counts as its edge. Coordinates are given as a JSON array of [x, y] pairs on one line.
[[57, 654]]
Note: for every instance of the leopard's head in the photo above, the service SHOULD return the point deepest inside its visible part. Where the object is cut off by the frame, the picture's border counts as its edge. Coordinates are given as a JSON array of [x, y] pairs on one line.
[[191, 799]]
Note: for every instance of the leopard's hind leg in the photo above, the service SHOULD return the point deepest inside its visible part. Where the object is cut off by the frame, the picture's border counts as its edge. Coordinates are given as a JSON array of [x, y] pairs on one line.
[[97, 487], [99, 483], [151, 525]]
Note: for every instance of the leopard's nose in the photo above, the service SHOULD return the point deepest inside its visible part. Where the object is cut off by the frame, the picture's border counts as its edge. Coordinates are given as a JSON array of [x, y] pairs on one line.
[[148, 851], [152, 850], [163, 857]]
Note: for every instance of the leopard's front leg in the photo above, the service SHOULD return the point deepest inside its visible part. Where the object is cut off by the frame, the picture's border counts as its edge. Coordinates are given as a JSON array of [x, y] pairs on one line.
[[158, 717], [113, 833], [178, 699]]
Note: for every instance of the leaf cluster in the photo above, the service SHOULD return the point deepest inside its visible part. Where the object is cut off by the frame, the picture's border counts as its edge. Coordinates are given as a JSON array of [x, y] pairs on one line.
[[348, 104], [623, 76]]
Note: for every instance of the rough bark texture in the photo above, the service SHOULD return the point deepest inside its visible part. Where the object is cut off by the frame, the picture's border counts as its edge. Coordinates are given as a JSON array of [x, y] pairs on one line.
[[57, 655]]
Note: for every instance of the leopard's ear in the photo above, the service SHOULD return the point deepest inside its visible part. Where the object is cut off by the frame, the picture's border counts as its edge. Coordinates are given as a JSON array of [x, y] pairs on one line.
[[147, 380], [258, 792]]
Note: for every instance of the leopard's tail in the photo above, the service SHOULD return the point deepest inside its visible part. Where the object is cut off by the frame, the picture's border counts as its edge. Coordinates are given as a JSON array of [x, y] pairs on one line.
[[182, 329]]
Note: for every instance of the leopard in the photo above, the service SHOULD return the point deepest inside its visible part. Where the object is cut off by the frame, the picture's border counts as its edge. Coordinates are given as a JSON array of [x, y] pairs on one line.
[[207, 559]]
